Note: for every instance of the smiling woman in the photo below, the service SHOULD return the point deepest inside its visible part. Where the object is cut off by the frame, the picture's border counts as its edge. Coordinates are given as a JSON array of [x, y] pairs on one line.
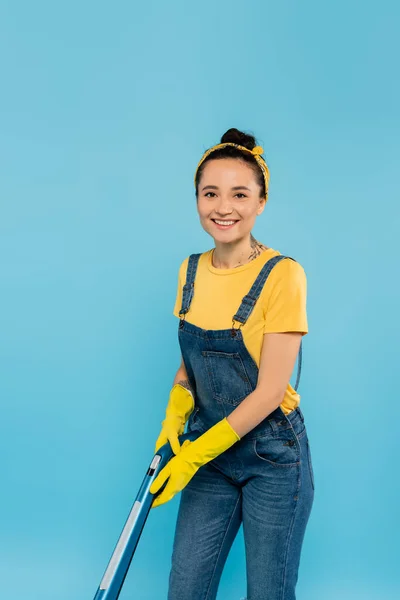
[[251, 462]]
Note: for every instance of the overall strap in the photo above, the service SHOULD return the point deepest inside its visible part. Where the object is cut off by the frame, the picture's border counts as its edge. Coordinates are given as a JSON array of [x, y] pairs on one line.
[[248, 301], [251, 298], [188, 288]]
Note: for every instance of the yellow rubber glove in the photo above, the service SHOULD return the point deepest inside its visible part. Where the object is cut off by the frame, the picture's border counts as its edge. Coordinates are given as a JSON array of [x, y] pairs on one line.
[[179, 408], [181, 468]]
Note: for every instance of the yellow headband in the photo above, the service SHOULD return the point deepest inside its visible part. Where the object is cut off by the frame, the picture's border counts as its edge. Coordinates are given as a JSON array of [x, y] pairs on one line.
[[256, 152]]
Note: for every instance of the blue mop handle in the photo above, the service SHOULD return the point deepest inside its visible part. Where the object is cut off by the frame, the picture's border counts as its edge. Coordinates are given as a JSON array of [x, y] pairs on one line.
[[117, 568]]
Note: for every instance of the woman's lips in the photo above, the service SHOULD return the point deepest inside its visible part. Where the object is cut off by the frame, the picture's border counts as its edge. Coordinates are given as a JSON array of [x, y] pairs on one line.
[[223, 227]]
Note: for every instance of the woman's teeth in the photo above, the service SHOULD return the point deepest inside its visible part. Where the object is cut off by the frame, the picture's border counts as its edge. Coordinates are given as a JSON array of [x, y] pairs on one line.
[[224, 224]]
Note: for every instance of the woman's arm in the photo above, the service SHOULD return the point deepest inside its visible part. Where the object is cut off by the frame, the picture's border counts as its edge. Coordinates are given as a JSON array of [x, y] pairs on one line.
[[278, 357], [181, 376]]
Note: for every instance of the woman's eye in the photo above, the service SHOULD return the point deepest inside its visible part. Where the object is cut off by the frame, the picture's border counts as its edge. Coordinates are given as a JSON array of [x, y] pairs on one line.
[[239, 194]]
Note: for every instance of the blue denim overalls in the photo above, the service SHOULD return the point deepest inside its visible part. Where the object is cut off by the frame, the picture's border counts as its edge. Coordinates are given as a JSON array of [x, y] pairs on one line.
[[265, 480]]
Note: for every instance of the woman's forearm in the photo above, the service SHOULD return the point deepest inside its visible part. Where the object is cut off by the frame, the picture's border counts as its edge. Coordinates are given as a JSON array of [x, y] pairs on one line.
[[252, 410], [181, 377]]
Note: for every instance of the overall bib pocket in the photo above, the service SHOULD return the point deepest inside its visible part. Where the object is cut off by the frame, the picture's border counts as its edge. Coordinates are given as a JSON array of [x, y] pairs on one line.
[[227, 376]]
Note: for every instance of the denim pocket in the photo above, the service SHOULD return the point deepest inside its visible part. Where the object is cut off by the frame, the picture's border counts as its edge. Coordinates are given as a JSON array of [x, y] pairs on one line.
[[278, 452], [227, 376], [310, 466]]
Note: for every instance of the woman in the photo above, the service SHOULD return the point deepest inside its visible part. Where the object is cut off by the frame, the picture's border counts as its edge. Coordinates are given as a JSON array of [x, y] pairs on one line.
[[242, 309]]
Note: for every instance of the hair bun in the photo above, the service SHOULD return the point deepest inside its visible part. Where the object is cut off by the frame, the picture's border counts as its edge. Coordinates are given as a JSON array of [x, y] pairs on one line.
[[239, 137]]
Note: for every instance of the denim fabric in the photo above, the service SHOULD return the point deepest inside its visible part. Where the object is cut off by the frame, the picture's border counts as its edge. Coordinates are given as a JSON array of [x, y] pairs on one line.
[[264, 481]]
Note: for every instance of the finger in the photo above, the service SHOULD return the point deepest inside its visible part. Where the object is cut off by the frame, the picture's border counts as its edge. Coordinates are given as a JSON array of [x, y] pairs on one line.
[[169, 490], [161, 440], [175, 445], [162, 499], [156, 503], [160, 479]]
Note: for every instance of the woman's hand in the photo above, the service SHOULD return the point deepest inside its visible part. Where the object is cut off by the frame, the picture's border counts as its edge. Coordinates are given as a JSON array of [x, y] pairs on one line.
[[179, 408], [179, 471], [182, 467]]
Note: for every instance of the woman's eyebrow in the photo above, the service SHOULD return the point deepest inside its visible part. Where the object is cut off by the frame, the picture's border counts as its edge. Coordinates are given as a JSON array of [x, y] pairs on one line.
[[236, 187]]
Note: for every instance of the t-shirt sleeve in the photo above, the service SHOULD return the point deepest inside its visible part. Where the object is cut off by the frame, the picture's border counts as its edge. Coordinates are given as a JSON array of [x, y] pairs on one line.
[[181, 281], [286, 297]]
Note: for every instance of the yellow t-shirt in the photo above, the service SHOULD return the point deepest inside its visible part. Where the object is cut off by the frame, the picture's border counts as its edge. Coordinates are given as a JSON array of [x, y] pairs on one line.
[[280, 307]]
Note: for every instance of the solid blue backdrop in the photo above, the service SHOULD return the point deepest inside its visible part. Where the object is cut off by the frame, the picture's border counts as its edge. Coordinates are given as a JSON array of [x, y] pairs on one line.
[[105, 110]]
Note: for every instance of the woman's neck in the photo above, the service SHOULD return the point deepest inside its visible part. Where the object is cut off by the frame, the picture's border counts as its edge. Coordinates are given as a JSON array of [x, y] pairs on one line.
[[226, 256]]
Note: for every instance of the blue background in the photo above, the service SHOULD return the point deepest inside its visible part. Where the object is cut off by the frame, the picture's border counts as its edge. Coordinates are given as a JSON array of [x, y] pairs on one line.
[[105, 110]]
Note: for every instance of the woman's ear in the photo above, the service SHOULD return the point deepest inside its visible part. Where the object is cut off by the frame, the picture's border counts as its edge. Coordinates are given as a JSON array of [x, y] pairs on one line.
[[263, 202]]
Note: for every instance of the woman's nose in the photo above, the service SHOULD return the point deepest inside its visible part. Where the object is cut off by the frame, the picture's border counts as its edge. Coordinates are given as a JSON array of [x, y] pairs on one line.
[[224, 207]]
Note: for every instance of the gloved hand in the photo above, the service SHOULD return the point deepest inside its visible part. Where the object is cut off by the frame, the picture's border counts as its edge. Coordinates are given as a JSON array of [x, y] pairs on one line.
[[179, 408], [181, 468]]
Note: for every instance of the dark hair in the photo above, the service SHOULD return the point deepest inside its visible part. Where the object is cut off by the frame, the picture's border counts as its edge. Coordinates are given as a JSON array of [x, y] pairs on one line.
[[243, 139]]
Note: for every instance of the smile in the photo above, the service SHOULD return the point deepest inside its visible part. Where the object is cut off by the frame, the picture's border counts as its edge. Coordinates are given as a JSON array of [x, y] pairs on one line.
[[221, 224]]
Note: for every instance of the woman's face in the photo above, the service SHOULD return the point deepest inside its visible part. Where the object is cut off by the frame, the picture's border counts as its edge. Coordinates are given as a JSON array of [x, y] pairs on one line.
[[228, 191]]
